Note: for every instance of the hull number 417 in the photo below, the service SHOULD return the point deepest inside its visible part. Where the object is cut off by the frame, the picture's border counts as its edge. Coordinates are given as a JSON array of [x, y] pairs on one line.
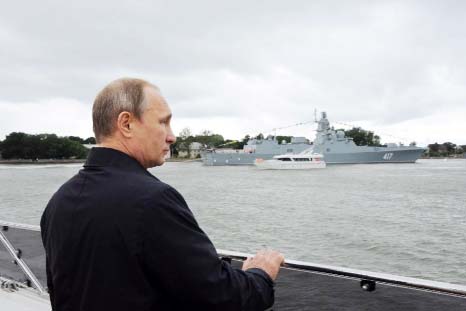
[[388, 156]]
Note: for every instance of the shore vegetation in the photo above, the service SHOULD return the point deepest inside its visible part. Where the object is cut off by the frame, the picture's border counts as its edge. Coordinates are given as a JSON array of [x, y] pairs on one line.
[[18, 145]]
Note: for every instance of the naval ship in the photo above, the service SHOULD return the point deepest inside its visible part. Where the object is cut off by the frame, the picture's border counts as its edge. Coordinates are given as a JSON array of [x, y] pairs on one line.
[[334, 145]]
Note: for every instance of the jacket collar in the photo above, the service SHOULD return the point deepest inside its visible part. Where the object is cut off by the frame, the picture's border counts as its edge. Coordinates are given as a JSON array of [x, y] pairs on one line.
[[100, 156]]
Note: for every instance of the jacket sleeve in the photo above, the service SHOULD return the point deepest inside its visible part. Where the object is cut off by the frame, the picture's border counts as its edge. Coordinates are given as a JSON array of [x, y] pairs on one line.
[[179, 256]]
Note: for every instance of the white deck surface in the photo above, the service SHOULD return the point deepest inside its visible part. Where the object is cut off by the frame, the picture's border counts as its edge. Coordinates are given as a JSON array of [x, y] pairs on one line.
[[23, 300]]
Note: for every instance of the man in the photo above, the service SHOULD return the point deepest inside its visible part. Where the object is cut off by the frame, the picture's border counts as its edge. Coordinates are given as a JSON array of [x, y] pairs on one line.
[[117, 238]]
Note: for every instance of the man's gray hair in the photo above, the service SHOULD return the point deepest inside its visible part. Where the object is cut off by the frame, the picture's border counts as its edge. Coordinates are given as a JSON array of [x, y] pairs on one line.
[[126, 94]]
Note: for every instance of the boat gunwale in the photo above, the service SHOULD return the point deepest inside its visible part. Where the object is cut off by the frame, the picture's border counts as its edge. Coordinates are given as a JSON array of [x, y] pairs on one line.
[[444, 288]]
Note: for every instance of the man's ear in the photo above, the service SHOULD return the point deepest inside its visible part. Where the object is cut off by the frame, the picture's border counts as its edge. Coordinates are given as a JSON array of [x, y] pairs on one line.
[[124, 121]]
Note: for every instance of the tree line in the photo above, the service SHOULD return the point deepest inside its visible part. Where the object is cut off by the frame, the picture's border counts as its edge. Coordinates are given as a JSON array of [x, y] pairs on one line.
[[446, 149], [18, 145]]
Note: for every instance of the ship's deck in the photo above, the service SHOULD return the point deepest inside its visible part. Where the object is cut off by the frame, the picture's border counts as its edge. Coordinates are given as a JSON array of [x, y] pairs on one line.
[[296, 289]]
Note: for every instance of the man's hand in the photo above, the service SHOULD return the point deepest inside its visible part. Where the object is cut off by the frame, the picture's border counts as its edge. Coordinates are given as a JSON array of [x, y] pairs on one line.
[[267, 260]]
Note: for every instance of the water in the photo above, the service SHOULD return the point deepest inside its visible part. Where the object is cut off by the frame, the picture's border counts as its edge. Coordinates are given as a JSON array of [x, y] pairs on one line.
[[404, 219]]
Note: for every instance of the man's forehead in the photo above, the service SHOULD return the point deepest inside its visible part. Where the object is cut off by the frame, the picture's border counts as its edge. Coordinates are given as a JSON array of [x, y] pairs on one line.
[[156, 101]]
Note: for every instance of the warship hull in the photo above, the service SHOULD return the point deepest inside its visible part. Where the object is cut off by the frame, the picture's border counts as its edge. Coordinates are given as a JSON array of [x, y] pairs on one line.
[[381, 156]]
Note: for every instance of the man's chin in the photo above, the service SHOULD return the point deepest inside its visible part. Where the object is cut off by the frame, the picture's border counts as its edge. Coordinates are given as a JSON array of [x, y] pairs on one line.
[[159, 162]]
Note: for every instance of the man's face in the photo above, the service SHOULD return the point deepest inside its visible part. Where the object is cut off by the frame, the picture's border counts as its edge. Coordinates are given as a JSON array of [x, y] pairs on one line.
[[153, 134]]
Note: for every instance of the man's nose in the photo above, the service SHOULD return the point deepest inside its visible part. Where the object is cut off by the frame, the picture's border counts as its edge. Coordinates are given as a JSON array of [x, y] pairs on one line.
[[171, 138]]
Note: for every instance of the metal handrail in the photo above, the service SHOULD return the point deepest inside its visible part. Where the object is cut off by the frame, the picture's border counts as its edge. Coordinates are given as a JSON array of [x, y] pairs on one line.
[[382, 278], [17, 259]]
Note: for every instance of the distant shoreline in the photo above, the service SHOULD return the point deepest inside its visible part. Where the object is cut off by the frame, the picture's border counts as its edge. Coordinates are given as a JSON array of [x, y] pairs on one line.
[[73, 161], [77, 161], [182, 160], [42, 161], [440, 158]]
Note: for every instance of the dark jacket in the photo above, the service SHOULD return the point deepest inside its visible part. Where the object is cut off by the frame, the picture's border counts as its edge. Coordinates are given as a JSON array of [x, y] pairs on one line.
[[117, 238]]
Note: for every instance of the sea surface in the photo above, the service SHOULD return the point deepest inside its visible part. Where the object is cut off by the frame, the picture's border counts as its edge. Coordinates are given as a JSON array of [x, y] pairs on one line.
[[404, 219]]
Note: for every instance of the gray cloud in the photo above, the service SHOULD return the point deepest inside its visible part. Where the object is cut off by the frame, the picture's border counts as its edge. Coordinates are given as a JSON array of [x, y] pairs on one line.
[[267, 62]]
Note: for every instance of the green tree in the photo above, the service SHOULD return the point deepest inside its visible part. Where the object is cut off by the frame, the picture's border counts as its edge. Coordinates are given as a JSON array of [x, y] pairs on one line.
[[13, 146], [43, 146], [70, 149], [433, 149], [236, 144], [185, 133], [90, 141], [362, 137], [442, 150], [246, 139], [287, 139], [76, 138], [206, 133], [449, 147], [211, 141]]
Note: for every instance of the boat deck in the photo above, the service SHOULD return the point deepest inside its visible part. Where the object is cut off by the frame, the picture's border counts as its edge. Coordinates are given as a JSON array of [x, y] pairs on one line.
[[296, 288]]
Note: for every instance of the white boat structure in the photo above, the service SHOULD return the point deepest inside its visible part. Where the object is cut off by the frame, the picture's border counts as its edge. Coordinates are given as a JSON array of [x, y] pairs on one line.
[[305, 160]]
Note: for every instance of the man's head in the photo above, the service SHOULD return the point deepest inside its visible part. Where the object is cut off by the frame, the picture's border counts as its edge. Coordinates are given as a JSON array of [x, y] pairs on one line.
[[132, 116]]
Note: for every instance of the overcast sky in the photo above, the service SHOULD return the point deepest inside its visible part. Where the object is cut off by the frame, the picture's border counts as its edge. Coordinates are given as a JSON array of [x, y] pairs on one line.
[[241, 67]]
